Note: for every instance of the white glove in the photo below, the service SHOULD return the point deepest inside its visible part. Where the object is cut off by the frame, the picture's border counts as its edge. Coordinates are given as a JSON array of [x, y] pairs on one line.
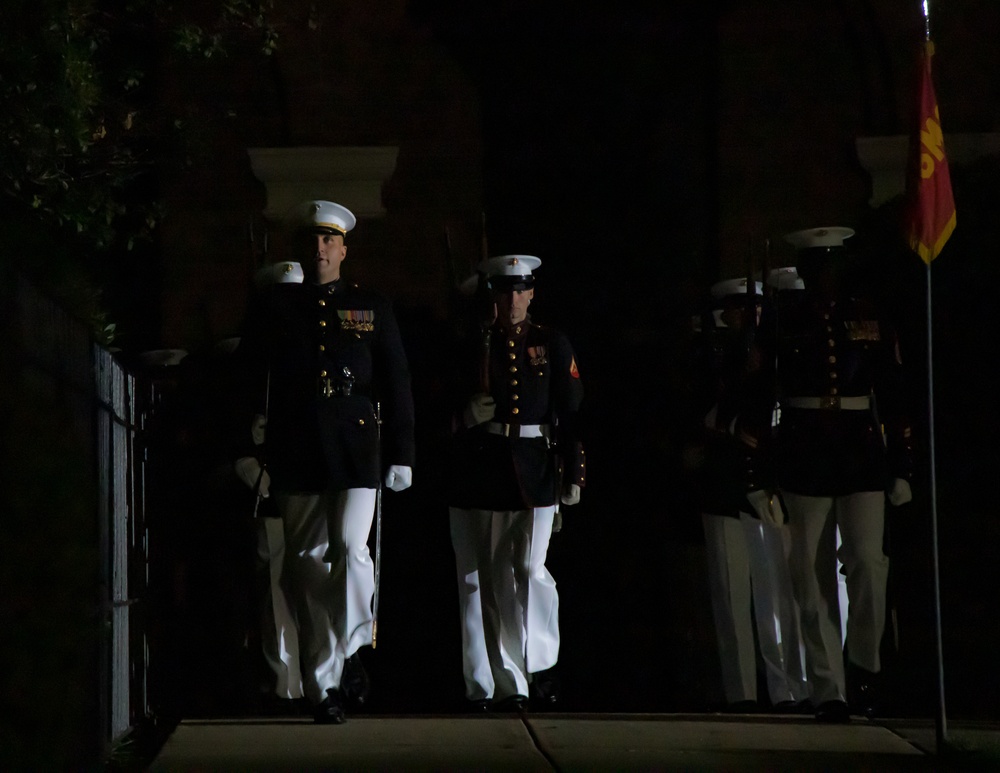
[[571, 496], [767, 506], [480, 409], [257, 429], [248, 470], [899, 493], [398, 477]]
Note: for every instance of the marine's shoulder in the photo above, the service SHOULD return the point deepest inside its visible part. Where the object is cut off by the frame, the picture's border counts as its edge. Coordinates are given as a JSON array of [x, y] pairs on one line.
[[862, 306], [279, 294], [538, 330], [546, 334], [355, 292]]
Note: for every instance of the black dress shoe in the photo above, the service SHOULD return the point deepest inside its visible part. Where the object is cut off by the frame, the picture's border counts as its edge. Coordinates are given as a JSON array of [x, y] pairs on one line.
[[330, 711], [743, 707], [511, 704], [545, 688], [273, 706], [862, 690], [792, 707], [354, 682], [833, 712], [480, 706]]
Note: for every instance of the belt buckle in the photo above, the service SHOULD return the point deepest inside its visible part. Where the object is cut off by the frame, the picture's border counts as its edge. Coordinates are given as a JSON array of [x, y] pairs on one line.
[[506, 430], [830, 402], [327, 388]]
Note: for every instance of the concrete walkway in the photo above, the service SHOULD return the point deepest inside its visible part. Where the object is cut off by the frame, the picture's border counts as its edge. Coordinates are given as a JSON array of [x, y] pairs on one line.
[[579, 742]]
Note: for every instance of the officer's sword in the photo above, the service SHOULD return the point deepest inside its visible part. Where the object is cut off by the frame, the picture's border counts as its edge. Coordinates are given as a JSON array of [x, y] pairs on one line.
[[378, 522]]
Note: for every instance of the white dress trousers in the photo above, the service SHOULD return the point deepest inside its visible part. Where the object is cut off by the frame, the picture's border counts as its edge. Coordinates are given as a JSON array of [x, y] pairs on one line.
[[813, 522], [750, 584], [279, 637], [508, 602], [845, 610], [322, 607]]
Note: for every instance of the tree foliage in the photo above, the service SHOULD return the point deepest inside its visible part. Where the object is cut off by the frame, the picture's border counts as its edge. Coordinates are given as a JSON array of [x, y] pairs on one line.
[[84, 129]]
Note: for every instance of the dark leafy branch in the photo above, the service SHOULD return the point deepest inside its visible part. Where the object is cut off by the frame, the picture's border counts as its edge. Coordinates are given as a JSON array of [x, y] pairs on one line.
[[83, 123]]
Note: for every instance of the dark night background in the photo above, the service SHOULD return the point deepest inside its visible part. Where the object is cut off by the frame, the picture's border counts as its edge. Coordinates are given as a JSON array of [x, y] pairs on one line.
[[640, 149]]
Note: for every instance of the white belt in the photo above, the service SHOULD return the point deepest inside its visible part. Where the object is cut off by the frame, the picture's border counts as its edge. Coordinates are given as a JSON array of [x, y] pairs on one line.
[[519, 430], [830, 402]]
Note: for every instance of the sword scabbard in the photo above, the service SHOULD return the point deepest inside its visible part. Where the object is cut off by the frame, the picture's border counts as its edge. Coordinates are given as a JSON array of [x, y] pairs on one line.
[[378, 523]]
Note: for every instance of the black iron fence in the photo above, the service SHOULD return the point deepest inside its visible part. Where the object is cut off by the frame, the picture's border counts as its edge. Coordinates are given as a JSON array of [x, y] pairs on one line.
[[75, 570], [122, 516]]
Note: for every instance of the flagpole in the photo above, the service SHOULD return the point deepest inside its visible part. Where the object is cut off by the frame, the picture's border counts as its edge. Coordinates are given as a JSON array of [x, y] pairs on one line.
[[941, 722]]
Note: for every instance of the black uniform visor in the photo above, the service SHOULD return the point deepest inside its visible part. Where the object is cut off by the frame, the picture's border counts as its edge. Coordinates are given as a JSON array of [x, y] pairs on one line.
[[507, 284]]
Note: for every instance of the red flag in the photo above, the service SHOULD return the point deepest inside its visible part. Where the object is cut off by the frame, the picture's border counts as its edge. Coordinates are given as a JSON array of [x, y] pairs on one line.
[[932, 214]]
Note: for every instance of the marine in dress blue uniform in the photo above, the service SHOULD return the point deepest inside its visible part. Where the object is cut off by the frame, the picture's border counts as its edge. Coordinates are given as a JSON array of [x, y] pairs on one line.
[[324, 352], [517, 456], [746, 541], [843, 443], [276, 633]]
